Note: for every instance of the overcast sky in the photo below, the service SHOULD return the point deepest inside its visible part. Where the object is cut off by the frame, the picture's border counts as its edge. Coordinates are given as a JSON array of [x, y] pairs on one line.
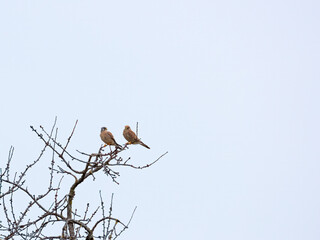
[[229, 88]]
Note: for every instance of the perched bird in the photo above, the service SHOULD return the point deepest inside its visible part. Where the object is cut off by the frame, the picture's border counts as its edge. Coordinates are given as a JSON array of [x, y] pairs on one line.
[[131, 137], [108, 138]]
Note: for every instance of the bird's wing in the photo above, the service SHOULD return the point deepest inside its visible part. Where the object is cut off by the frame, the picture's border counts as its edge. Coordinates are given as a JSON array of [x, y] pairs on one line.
[[132, 136], [110, 135]]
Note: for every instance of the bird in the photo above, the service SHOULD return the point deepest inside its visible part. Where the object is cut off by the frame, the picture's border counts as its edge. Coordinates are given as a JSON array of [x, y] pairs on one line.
[[131, 137], [108, 138]]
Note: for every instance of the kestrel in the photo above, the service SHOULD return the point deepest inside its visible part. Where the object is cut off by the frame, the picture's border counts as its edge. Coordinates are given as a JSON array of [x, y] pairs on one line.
[[108, 138], [131, 137]]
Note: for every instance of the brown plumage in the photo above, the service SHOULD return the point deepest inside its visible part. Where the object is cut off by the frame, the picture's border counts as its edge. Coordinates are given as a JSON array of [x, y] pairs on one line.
[[107, 137], [131, 137]]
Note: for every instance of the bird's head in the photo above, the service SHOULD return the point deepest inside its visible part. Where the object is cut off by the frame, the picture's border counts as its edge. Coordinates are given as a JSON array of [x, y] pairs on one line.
[[103, 129], [127, 127]]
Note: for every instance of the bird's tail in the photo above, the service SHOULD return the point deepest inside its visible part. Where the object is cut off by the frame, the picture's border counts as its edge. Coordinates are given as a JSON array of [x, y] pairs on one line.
[[141, 143], [117, 145]]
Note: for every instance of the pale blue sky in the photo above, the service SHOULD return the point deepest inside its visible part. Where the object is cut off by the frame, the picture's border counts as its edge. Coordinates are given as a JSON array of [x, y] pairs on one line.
[[229, 88]]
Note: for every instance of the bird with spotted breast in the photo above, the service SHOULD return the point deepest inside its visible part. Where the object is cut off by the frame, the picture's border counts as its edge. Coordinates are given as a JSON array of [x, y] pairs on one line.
[[107, 138], [131, 137]]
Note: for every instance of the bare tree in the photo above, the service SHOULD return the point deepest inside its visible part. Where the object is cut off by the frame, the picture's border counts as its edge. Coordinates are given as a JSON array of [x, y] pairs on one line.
[[53, 208]]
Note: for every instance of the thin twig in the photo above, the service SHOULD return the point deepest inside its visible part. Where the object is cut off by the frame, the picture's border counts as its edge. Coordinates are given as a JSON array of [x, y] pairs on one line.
[[139, 167], [69, 138], [137, 129]]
